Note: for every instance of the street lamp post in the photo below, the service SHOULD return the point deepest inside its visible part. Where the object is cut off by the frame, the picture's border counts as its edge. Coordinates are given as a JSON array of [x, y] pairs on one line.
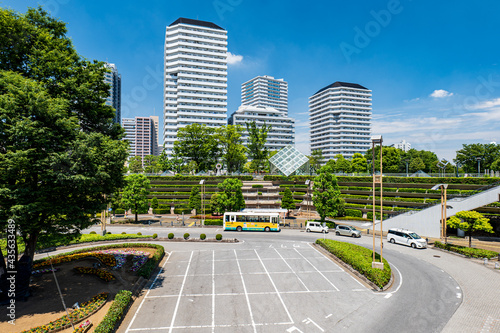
[[377, 179], [406, 161], [308, 182], [478, 166], [202, 183]]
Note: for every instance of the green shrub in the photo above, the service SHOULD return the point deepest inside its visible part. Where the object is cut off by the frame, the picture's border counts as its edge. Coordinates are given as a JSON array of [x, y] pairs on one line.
[[359, 258], [203, 236], [213, 222], [115, 312], [92, 233], [155, 236], [186, 235], [259, 193], [124, 233], [119, 211], [108, 233], [353, 213], [161, 210], [147, 269], [170, 235], [218, 237], [467, 251], [257, 186], [139, 234]]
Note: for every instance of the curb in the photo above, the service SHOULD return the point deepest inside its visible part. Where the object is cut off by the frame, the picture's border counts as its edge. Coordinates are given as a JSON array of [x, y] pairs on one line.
[[474, 260]]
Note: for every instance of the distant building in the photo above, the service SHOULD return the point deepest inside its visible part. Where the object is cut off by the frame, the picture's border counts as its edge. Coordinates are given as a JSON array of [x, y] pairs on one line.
[[114, 79], [142, 135], [283, 127], [195, 85], [404, 146], [266, 92], [340, 119]]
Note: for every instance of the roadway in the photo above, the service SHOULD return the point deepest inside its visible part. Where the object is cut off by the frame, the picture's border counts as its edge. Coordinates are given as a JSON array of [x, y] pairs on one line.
[[276, 282]]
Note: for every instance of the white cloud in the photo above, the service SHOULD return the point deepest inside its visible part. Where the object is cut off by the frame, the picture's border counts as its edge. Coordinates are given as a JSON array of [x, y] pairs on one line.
[[233, 59], [440, 93], [487, 104]]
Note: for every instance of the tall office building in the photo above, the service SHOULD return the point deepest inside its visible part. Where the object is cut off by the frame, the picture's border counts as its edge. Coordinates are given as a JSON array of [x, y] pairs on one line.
[[282, 132], [114, 79], [267, 92], [142, 135], [195, 77], [340, 119]]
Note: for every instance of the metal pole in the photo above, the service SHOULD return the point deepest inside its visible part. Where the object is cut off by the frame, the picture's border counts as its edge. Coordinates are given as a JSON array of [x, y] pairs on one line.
[[381, 206], [445, 207], [373, 201], [60, 294], [442, 212]]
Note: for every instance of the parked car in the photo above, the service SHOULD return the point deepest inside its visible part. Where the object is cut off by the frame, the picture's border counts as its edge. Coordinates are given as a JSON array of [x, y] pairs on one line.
[[406, 237], [313, 226], [347, 230]]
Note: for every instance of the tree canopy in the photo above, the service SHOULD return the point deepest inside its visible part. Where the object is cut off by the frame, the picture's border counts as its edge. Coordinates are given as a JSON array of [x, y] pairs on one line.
[[257, 150], [468, 155], [287, 200], [326, 194], [60, 150], [135, 193], [469, 222], [233, 152], [197, 143], [231, 197]]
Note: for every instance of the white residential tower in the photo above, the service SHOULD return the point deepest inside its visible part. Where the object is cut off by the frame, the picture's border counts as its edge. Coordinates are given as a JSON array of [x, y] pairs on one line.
[[267, 92]]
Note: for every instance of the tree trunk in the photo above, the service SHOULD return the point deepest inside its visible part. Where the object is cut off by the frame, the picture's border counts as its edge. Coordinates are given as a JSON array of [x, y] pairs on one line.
[[470, 237], [136, 218]]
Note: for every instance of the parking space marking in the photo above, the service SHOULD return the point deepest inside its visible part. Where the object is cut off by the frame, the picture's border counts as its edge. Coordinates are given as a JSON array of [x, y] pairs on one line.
[[246, 294], [150, 287], [180, 294], [323, 275], [275, 288], [213, 290], [300, 280]]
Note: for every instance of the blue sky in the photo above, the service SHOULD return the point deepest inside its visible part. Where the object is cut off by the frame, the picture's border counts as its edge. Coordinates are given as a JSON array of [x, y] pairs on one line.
[[433, 66]]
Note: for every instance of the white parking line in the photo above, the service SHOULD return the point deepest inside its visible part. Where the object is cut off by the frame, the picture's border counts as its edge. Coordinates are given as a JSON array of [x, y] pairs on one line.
[[151, 286], [275, 288], [323, 275], [246, 293], [213, 291], [180, 294], [300, 280]]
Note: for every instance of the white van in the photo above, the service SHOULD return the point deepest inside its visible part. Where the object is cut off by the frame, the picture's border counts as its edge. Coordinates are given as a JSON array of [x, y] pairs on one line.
[[406, 237], [316, 227]]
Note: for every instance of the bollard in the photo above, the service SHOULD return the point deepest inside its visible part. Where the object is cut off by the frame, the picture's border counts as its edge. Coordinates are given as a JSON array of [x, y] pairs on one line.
[[497, 265], [301, 228], [485, 261], [171, 223]]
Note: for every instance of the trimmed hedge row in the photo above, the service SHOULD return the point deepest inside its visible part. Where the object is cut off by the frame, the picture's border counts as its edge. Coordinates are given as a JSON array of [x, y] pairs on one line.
[[147, 269], [189, 177], [115, 312], [359, 258], [467, 251], [353, 213], [213, 222]]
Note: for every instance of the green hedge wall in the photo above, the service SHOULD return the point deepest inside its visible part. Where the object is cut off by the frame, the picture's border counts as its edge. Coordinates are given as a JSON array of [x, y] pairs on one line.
[[467, 251], [115, 312], [353, 213]]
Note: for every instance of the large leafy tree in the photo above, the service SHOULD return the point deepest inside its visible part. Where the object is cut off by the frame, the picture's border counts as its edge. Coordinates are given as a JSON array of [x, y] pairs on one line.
[[257, 150], [197, 143], [231, 195], [216, 204], [174, 164], [326, 194], [470, 221], [391, 159], [467, 156], [287, 201], [151, 164], [135, 164], [359, 163], [135, 193], [416, 164], [195, 199], [60, 152], [342, 165], [233, 151], [315, 160]]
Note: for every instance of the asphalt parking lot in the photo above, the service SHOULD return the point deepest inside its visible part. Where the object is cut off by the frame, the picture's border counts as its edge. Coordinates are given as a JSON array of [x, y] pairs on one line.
[[272, 288]]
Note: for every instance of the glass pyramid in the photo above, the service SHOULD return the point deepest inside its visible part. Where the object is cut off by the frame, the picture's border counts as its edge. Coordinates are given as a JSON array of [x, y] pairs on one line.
[[289, 161]]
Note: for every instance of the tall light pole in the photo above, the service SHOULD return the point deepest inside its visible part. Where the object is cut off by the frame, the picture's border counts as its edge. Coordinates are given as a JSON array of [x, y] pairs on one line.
[[307, 183], [478, 166], [406, 161], [377, 179], [202, 183]]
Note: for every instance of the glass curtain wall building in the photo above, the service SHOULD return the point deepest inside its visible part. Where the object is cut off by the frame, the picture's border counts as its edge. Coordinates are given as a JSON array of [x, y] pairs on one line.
[[114, 79]]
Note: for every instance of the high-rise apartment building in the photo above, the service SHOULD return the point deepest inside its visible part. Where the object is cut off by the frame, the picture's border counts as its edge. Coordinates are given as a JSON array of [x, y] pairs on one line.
[[142, 135], [404, 146], [340, 119], [266, 92], [282, 132], [195, 87], [114, 79]]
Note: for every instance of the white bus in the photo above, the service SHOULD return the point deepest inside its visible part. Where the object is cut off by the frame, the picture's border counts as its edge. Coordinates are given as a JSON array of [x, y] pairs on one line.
[[252, 221]]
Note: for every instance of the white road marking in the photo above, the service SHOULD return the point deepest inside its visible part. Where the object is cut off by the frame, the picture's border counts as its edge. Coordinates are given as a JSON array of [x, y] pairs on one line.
[[300, 280], [213, 291], [180, 294], [459, 295], [388, 296], [323, 275], [151, 286], [329, 316], [310, 321], [207, 326], [246, 293], [275, 288]]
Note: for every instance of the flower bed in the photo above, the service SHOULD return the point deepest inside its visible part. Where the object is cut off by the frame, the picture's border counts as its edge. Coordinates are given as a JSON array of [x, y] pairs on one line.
[[115, 312], [140, 257], [43, 271], [100, 273], [86, 310], [106, 259], [83, 327]]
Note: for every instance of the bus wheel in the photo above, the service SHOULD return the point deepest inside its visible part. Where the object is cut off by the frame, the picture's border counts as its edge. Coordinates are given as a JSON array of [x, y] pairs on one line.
[[238, 228], [267, 229]]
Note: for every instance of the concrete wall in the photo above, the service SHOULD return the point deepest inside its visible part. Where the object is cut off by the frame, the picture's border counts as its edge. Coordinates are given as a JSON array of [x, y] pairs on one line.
[[427, 222]]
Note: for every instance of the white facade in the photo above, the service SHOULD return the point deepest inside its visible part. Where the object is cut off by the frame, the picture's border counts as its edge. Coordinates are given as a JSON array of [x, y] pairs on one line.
[[142, 135], [265, 91], [404, 146], [282, 132], [195, 87], [340, 120], [115, 81]]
